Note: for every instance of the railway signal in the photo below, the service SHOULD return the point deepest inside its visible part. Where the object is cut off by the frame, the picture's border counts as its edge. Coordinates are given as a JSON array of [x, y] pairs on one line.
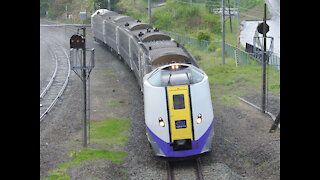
[[261, 26], [82, 68], [77, 42]]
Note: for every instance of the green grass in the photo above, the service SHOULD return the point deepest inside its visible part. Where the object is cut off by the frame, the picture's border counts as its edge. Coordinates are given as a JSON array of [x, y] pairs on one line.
[[261, 166], [108, 131], [78, 156], [112, 131], [229, 81]]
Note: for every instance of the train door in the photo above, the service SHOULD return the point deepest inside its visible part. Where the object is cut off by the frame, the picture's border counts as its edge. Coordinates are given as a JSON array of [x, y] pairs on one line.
[[180, 117]]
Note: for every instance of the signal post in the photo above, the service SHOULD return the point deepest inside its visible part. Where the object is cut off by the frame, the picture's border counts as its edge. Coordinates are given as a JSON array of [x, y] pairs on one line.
[[82, 68]]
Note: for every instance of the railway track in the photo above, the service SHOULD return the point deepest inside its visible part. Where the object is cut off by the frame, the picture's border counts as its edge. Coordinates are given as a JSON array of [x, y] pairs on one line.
[[59, 79], [195, 163]]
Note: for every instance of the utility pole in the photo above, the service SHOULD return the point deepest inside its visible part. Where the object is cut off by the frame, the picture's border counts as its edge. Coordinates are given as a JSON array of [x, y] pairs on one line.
[[149, 11], [109, 5], [238, 30], [84, 85], [230, 17], [264, 59], [223, 34], [238, 15]]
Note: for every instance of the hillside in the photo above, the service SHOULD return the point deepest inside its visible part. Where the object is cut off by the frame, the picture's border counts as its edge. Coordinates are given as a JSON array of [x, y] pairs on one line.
[[177, 16]]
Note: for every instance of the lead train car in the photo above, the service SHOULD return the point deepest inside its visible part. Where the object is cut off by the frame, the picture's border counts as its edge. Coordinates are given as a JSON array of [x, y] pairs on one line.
[[177, 103]]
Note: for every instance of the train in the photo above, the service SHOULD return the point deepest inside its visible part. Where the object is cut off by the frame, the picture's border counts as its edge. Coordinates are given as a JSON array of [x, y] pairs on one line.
[[178, 109]]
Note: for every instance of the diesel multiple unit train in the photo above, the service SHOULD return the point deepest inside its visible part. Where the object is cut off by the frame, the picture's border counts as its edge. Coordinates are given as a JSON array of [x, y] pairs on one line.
[[177, 103]]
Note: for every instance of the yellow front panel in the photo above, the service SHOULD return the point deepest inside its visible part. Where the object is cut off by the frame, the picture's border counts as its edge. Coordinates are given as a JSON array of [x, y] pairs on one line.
[[179, 112]]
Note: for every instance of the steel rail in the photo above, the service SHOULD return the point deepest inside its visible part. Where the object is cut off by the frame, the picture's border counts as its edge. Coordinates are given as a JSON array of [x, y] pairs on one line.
[[199, 169], [65, 81], [55, 70], [196, 163], [169, 171]]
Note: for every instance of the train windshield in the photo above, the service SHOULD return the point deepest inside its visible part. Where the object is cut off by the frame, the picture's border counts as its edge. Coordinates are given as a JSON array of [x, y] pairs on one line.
[[170, 77]]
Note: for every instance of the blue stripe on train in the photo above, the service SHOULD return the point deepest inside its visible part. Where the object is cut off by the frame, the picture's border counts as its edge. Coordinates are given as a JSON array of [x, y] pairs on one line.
[[197, 145]]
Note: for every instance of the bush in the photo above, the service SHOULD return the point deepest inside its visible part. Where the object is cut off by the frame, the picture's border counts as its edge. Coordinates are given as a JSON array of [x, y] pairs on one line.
[[203, 35], [212, 47], [185, 11], [52, 14], [163, 21], [213, 22]]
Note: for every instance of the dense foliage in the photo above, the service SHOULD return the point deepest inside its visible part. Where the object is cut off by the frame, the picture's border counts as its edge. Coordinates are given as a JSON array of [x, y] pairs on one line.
[[176, 16], [58, 9], [183, 18]]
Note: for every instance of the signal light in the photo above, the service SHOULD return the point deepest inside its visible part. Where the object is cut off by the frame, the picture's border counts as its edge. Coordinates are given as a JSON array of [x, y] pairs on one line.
[[199, 119], [161, 122], [77, 42]]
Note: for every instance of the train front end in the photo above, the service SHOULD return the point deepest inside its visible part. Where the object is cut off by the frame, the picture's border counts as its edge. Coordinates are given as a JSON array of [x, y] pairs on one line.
[[178, 111]]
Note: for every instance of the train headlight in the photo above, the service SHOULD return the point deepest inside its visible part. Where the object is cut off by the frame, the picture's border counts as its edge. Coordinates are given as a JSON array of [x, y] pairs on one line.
[[199, 119], [161, 122], [174, 66]]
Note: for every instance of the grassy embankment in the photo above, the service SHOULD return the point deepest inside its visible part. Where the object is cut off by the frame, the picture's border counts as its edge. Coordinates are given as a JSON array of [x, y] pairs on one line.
[[104, 134]]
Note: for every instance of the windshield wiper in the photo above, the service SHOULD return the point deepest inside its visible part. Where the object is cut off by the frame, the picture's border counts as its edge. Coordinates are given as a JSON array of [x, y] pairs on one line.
[[169, 79], [188, 78]]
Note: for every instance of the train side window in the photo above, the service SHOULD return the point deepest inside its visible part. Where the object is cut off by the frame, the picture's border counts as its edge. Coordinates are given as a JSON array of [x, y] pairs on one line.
[[178, 101]]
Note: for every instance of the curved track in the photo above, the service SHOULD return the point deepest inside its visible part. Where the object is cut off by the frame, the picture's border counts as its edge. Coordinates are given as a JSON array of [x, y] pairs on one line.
[[59, 78]]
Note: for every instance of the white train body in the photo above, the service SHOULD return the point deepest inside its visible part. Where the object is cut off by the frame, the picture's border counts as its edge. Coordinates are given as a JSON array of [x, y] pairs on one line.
[[177, 102], [164, 138]]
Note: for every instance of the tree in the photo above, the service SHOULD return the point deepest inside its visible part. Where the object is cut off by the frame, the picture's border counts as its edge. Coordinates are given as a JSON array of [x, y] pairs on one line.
[[44, 6]]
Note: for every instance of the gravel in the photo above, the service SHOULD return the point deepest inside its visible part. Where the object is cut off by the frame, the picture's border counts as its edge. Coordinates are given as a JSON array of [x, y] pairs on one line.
[[272, 101], [242, 146]]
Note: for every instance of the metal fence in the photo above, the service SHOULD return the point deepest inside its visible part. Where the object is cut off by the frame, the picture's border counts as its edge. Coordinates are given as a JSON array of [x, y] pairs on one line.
[[242, 56]]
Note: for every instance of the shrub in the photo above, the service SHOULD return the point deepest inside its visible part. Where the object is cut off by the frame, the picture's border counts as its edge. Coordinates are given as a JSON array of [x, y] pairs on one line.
[[163, 21], [52, 14], [203, 35]]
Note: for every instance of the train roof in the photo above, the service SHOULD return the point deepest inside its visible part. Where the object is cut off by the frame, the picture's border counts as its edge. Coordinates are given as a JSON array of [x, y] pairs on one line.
[[105, 13], [160, 44], [161, 48], [175, 74], [163, 56], [138, 26], [121, 19], [150, 34], [165, 51], [154, 36]]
